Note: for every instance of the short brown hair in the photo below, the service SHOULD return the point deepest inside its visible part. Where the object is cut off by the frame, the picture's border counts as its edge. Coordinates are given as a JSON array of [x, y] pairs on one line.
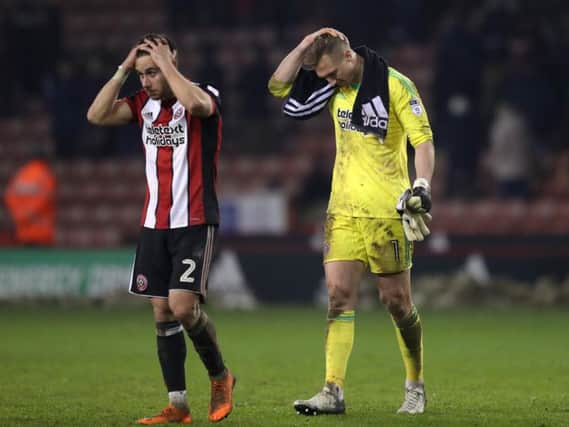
[[155, 38], [325, 44]]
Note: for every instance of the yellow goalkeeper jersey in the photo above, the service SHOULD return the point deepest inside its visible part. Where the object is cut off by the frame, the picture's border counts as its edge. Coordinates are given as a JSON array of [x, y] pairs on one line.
[[370, 174]]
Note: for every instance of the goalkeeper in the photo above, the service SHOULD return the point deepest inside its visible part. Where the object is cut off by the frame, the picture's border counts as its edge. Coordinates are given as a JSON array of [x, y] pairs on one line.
[[374, 214]]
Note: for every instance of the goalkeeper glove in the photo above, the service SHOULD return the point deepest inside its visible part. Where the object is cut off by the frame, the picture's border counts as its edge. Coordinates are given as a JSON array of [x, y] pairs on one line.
[[415, 227], [414, 206], [420, 200]]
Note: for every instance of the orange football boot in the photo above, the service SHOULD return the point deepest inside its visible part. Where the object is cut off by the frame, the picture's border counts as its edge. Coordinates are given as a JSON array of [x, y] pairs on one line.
[[221, 402], [170, 414]]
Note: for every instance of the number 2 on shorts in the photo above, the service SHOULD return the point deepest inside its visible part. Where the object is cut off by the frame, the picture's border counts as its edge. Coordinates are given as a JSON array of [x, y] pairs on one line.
[[186, 275]]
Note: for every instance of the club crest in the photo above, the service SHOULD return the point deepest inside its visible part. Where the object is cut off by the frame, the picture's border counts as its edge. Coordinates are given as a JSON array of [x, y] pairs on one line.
[[141, 283]]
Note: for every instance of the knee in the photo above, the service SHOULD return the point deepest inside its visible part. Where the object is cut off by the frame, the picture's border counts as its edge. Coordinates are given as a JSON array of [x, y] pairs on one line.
[[162, 313], [339, 298], [397, 302], [187, 314]]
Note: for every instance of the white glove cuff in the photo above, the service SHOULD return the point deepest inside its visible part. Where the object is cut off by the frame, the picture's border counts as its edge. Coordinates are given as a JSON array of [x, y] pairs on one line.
[[422, 182]]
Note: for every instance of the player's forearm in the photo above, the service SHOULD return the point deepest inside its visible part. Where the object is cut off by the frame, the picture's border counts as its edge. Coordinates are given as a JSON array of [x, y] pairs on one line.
[[288, 68], [195, 100], [425, 160], [103, 103]]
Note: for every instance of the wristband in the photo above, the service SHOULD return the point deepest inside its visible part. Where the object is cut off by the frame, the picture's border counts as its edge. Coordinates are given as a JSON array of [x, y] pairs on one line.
[[422, 182], [120, 75]]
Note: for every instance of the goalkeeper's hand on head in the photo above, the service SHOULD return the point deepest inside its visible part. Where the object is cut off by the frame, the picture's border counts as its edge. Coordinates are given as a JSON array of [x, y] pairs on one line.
[[414, 206]]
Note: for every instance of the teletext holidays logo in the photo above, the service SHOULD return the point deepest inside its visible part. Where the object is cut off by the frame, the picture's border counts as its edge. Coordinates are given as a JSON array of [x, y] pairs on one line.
[[165, 136], [345, 120]]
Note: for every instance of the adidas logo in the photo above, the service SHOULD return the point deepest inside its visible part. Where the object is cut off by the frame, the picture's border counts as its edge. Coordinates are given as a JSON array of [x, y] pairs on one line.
[[374, 114]]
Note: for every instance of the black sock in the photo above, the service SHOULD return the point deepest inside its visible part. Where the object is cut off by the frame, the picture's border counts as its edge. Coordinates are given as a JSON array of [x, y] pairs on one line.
[[172, 354], [203, 336]]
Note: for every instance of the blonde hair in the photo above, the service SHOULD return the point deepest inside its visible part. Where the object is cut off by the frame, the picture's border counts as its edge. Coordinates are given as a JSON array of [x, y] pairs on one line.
[[325, 44]]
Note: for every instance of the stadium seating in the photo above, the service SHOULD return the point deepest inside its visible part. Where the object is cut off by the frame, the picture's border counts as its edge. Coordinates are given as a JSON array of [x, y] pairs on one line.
[[100, 201]]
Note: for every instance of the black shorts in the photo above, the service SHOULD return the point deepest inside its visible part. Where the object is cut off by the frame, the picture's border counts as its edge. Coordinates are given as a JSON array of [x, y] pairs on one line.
[[178, 258]]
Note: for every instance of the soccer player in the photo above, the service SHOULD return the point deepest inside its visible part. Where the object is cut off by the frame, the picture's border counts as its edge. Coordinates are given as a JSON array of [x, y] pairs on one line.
[[373, 216], [181, 135]]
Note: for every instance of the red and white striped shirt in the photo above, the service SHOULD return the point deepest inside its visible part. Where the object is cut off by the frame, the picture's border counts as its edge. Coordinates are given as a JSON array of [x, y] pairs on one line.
[[182, 152]]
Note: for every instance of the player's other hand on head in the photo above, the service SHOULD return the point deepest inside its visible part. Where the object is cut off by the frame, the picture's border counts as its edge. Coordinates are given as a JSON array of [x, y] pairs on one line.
[[309, 39], [158, 49], [332, 31], [129, 61]]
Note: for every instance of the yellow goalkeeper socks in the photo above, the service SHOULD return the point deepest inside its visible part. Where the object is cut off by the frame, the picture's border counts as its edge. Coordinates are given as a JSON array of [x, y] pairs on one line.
[[339, 343], [410, 338]]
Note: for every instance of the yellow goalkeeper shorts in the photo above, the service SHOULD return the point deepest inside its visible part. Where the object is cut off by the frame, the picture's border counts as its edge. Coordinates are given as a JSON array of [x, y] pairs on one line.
[[378, 242]]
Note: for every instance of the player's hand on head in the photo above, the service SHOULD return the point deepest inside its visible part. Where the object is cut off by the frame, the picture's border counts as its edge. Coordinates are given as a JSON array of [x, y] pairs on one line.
[[309, 39], [159, 50], [332, 31], [129, 61]]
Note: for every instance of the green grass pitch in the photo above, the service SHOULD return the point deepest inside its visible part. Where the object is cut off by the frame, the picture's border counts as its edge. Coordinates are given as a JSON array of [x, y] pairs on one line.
[[97, 367]]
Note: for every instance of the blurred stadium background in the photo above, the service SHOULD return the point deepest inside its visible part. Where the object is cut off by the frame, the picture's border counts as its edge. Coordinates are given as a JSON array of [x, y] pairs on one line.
[[493, 75]]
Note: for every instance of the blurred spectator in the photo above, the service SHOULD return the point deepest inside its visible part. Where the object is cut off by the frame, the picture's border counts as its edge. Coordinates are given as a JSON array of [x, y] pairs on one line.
[[526, 87], [511, 153], [32, 29], [8, 106], [458, 71], [312, 201], [487, 54], [254, 69], [69, 92], [192, 14], [65, 99], [30, 199], [209, 69], [252, 105], [94, 141]]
